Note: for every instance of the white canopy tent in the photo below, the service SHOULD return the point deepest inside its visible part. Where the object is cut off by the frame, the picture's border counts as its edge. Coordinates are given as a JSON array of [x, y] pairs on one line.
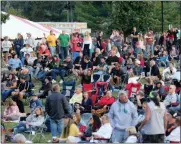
[[15, 25]]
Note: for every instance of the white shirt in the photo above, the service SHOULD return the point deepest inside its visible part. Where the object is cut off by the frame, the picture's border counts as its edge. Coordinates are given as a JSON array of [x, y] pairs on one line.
[[174, 135], [167, 70], [133, 80], [27, 51], [170, 99], [131, 139], [105, 131], [6, 45]]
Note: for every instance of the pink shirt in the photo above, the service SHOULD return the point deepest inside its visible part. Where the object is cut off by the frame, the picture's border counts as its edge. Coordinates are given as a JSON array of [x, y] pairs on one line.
[[11, 111]]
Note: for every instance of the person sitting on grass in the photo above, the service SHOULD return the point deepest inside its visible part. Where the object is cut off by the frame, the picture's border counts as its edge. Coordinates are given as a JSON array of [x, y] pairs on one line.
[[33, 120], [70, 129], [9, 89], [104, 131], [46, 88], [23, 90], [64, 69], [35, 102], [117, 72], [105, 101], [11, 112], [77, 97]]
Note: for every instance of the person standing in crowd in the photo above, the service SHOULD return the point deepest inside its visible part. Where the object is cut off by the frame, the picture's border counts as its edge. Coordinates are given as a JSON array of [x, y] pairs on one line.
[[87, 44], [64, 41], [149, 42], [6, 45], [30, 41], [99, 41], [155, 122], [76, 45], [135, 37], [18, 44], [51, 39], [118, 41], [122, 115], [56, 107]]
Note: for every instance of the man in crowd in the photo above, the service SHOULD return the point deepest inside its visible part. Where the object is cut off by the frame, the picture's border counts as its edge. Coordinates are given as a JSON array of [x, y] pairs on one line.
[[171, 98], [64, 41], [51, 39], [169, 72], [135, 37], [30, 41], [123, 114], [56, 107]]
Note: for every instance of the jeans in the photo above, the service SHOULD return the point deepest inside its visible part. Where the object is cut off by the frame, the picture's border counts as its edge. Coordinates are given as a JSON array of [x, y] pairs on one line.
[[23, 60], [52, 50], [74, 55], [158, 138], [134, 44], [59, 71], [41, 75], [64, 52], [56, 127], [6, 93], [119, 136], [21, 127], [17, 50], [150, 47]]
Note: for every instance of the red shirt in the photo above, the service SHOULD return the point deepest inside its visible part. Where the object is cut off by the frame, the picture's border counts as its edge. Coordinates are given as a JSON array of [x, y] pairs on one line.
[[75, 48], [47, 52], [106, 101]]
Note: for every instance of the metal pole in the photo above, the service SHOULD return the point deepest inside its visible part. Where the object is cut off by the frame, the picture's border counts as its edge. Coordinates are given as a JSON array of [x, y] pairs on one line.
[[162, 16]]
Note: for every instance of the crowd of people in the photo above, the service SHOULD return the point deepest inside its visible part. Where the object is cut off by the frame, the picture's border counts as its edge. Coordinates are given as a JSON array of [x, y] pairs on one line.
[[144, 68]]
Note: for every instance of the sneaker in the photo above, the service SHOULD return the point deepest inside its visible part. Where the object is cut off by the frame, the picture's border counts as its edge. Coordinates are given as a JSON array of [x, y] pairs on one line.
[[61, 81], [53, 81]]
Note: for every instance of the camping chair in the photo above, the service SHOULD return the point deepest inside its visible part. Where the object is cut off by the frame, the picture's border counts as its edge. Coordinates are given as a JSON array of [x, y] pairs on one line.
[[37, 130], [68, 88], [88, 88], [132, 89]]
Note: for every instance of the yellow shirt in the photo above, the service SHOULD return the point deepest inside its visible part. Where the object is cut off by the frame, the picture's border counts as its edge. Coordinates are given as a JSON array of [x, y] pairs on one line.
[[76, 98], [73, 131], [53, 39]]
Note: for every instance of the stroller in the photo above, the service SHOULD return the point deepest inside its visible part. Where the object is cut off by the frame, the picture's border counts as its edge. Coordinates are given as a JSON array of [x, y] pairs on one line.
[[68, 88]]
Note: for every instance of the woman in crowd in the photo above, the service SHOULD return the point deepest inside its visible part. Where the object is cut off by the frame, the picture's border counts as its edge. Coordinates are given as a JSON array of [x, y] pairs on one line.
[[70, 129], [33, 120], [76, 45], [86, 103], [6, 45], [11, 112], [96, 57], [154, 124], [43, 50], [15, 63], [99, 42], [87, 44]]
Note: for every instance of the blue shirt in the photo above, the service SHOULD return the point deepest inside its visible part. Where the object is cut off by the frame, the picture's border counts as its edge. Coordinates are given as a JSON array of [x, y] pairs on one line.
[[35, 104], [15, 63]]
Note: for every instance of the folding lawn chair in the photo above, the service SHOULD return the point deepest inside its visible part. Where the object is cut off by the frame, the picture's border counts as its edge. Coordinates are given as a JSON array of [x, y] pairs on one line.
[[37, 130], [132, 89], [68, 88]]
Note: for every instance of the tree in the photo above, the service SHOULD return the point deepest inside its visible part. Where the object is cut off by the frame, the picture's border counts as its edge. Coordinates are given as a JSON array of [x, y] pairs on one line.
[[126, 15], [4, 17]]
